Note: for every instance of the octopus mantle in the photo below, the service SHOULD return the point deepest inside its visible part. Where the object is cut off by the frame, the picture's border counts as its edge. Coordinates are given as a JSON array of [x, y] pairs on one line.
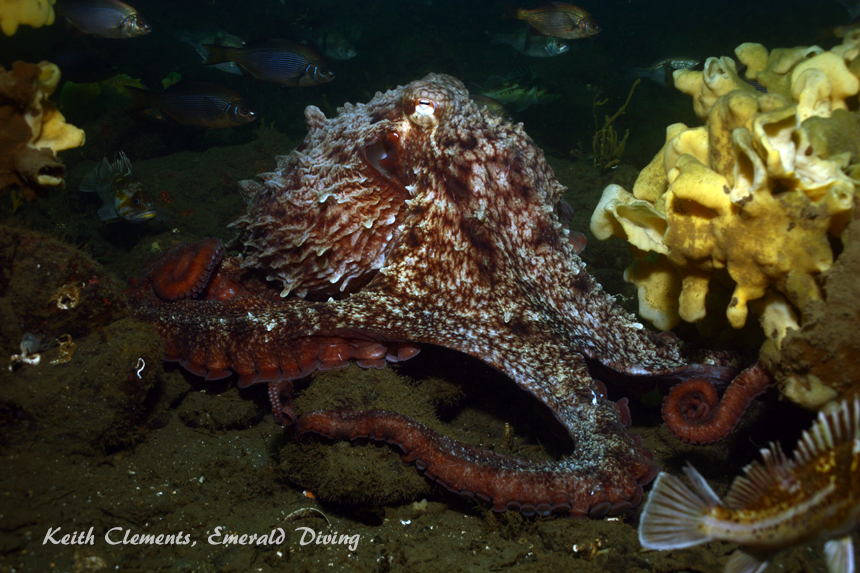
[[420, 218]]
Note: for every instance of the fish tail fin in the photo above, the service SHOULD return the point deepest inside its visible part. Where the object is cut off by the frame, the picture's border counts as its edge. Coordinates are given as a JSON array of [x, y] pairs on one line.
[[140, 98], [183, 36], [656, 75], [673, 515], [217, 54]]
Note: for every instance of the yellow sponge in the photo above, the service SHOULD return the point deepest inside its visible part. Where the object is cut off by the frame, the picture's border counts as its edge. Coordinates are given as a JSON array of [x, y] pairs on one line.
[[34, 13]]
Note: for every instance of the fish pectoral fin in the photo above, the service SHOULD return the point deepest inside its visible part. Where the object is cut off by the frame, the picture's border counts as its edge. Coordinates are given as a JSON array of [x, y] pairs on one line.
[[839, 555], [673, 513], [90, 184], [107, 213], [741, 562]]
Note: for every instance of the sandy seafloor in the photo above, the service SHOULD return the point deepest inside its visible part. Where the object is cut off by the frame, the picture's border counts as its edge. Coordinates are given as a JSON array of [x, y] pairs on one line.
[[98, 443]]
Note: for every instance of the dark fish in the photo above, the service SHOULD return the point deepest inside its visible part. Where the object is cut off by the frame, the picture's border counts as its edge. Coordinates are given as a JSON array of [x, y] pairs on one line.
[[280, 61], [83, 68], [198, 104], [222, 38], [520, 87], [661, 69], [561, 21], [334, 44], [104, 18], [527, 42], [494, 106]]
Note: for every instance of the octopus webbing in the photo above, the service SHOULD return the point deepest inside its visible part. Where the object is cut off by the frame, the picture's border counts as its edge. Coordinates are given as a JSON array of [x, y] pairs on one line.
[[420, 218]]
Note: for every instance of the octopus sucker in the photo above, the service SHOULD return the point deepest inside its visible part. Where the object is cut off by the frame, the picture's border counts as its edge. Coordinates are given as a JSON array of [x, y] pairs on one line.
[[446, 219], [185, 271], [505, 482]]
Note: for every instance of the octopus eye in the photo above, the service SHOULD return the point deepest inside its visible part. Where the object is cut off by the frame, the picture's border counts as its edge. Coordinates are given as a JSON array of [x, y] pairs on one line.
[[425, 106]]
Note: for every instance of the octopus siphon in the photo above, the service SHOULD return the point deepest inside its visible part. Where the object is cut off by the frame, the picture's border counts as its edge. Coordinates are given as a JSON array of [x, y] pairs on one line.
[[420, 218]]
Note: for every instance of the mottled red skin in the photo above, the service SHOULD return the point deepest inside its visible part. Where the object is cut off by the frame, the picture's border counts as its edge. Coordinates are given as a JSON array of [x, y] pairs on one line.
[[420, 218], [185, 271], [695, 414]]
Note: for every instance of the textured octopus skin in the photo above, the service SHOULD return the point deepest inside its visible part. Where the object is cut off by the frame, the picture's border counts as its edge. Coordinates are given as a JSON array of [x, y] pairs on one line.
[[420, 218]]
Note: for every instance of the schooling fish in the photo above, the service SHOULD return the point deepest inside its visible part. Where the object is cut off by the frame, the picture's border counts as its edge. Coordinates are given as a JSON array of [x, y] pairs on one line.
[[561, 21], [531, 44], [198, 104], [124, 196], [104, 18], [280, 61], [775, 505]]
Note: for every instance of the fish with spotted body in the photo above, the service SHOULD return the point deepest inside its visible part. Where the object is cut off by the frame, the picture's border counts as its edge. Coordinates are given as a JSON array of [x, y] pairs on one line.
[[777, 504], [123, 194]]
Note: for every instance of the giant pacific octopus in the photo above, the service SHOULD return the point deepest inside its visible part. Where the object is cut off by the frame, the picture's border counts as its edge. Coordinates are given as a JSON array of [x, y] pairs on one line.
[[420, 218]]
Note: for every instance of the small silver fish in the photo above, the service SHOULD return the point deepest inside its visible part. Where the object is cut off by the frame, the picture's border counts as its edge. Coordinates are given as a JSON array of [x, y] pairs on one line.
[[661, 69], [104, 18], [526, 42], [124, 196]]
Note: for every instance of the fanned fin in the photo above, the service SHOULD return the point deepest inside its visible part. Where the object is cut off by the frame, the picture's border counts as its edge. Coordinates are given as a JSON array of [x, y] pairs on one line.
[[839, 555], [839, 425], [122, 165], [521, 73], [107, 213], [98, 181], [673, 515], [758, 478], [741, 562]]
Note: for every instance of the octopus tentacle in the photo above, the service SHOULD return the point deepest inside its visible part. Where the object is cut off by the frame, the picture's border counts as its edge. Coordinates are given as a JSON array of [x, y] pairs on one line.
[[186, 270], [508, 483], [419, 219], [696, 415]]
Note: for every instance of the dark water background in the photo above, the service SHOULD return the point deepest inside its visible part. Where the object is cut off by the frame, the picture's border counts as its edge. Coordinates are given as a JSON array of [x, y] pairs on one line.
[[402, 41]]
